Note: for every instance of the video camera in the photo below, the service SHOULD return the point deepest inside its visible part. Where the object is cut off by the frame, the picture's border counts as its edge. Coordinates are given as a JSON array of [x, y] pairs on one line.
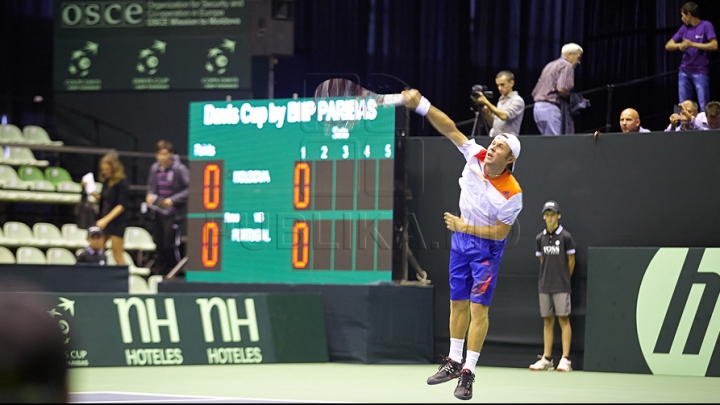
[[479, 88]]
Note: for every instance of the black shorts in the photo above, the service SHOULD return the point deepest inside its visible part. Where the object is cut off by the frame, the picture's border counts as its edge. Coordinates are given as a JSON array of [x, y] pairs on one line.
[[116, 228]]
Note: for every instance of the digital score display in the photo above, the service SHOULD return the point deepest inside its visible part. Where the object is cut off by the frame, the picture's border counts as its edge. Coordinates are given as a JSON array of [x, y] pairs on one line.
[[279, 195]]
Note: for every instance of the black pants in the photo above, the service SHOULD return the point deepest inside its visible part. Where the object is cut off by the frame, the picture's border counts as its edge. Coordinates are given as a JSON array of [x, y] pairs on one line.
[[166, 235]]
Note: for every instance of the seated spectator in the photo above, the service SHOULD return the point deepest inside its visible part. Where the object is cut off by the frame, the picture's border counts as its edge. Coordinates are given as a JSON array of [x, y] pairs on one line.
[[682, 121], [708, 119], [95, 252], [630, 121]]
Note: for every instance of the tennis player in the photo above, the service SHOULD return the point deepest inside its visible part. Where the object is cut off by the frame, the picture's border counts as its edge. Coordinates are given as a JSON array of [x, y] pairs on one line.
[[490, 201]]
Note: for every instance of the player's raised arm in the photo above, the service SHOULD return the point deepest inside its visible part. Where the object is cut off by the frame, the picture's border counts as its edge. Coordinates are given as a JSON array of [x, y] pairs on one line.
[[438, 119]]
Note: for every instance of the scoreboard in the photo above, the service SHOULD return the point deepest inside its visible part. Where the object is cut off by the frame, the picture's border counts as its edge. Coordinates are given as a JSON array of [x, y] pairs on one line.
[[285, 191]]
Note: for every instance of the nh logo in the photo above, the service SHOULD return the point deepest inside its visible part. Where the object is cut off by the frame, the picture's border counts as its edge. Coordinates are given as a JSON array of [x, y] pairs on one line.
[[227, 314], [148, 321], [678, 310]]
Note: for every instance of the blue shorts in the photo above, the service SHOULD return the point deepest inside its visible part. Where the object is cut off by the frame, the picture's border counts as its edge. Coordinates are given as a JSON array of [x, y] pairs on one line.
[[474, 264]]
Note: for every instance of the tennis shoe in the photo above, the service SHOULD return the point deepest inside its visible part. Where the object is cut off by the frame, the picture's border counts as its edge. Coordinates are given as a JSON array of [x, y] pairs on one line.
[[564, 365], [465, 383], [543, 364], [448, 370]]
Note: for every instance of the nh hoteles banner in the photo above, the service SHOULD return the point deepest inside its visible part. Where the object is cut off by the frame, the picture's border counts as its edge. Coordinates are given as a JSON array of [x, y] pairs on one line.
[[105, 329]]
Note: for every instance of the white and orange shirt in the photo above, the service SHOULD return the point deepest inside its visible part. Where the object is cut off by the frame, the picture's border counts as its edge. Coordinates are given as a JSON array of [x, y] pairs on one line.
[[484, 200]]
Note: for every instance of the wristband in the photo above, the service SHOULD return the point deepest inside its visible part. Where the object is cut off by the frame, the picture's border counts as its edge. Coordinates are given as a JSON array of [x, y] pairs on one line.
[[423, 107]]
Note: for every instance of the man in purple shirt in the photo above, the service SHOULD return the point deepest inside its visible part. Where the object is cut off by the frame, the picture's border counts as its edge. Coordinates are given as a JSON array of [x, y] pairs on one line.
[[695, 39]]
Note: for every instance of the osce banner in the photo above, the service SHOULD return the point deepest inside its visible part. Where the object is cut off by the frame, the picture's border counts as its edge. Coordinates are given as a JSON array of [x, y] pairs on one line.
[[106, 329], [151, 45], [653, 310]]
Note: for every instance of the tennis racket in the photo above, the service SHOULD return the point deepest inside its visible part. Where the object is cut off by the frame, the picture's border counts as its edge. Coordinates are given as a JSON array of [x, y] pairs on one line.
[[358, 102]]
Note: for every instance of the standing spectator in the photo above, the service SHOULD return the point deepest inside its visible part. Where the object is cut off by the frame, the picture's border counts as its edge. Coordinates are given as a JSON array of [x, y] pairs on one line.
[[681, 121], [94, 253], [490, 201], [168, 182], [507, 116], [630, 121], [695, 39], [114, 215], [556, 251], [552, 92]]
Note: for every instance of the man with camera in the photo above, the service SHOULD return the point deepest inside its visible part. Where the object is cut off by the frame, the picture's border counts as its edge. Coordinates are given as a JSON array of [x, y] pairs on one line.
[[508, 114]]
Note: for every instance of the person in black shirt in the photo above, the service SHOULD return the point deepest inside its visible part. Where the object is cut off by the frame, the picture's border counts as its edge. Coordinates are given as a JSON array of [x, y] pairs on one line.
[[94, 253], [114, 215], [556, 251]]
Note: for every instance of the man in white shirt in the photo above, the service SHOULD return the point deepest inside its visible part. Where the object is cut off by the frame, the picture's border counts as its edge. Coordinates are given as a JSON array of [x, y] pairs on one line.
[[507, 116]]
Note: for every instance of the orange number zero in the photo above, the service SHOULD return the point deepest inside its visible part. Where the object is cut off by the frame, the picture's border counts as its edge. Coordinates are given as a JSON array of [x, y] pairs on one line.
[[300, 245], [210, 247], [301, 193], [211, 187]]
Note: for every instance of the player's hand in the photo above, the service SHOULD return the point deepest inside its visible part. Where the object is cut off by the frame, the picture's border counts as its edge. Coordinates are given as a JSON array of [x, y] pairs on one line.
[[150, 198], [166, 203], [454, 223], [412, 98], [685, 44]]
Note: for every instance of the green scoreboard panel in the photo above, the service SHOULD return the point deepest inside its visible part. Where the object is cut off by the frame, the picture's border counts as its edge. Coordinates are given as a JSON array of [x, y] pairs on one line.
[[279, 195]]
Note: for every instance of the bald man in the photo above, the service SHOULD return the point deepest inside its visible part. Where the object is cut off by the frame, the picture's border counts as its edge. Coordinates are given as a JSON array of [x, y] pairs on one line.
[[630, 121]]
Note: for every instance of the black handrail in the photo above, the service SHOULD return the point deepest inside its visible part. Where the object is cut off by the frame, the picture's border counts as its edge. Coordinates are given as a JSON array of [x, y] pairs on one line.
[[609, 88]]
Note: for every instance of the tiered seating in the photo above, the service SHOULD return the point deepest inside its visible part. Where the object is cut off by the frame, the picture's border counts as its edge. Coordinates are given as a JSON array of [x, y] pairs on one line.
[[6, 256], [58, 255], [30, 134], [30, 255], [32, 184], [21, 155], [141, 271], [37, 135]]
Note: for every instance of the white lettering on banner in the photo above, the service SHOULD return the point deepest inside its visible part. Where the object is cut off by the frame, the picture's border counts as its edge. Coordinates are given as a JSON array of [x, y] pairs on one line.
[[153, 357], [250, 235], [148, 320], [204, 149], [228, 317], [101, 14], [234, 355], [253, 115], [250, 176], [220, 116], [293, 112]]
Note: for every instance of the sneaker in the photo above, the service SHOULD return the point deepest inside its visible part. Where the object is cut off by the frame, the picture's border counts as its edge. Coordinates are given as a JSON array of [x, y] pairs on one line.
[[464, 387], [564, 365], [448, 370], [543, 364]]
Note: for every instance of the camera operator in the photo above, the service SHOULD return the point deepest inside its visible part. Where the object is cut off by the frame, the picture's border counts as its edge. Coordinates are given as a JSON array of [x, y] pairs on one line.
[[508, 114]]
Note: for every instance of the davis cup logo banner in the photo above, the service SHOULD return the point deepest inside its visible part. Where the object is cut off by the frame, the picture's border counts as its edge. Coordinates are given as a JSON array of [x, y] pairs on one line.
[[678, 311]]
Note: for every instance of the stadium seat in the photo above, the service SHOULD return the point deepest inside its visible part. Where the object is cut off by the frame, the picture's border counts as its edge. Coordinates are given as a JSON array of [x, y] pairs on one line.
[[58, 255], [137, 238], [6, 256], [132, 269], [56, 174], [37, 135], [138, 285], [7, 173], [48, 235], [30, 255], [30, 173], [10, 134], [18, 234], [21, 155], [76, 238]]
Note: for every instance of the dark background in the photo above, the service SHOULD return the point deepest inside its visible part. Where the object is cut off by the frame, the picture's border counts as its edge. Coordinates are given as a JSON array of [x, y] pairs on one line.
[[612, 194]]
